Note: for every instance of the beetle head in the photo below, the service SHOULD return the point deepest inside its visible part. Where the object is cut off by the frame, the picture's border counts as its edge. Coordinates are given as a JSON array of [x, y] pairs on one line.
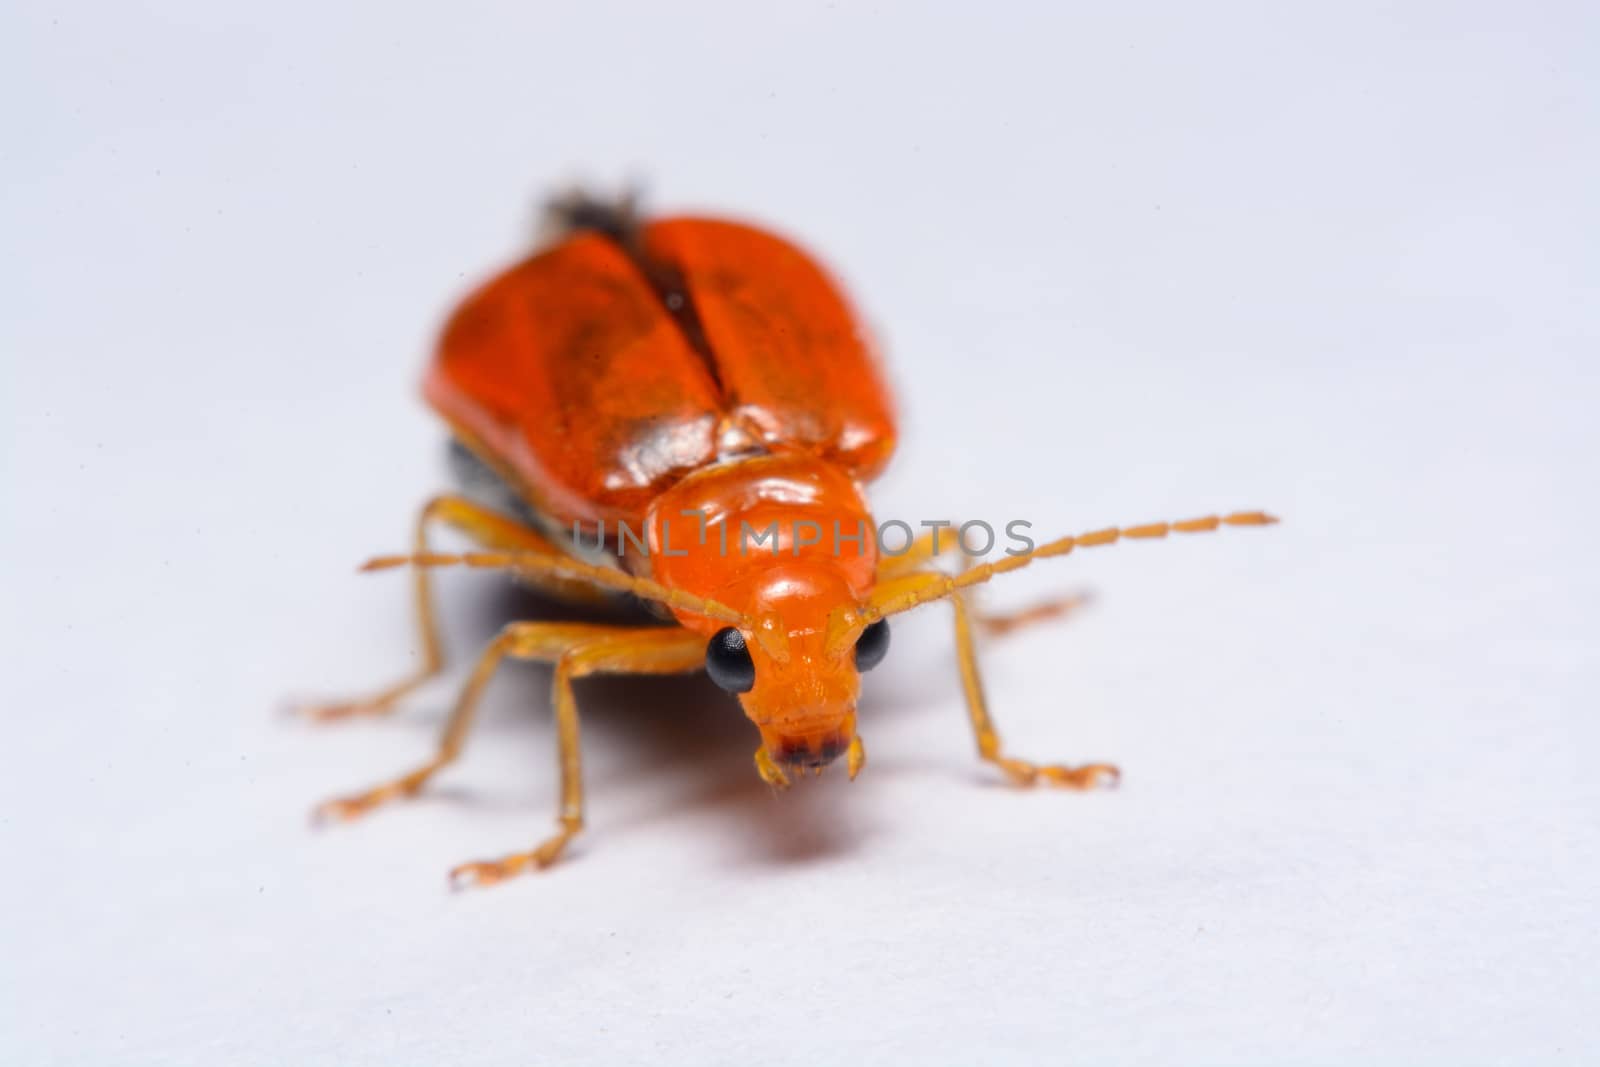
[[796, 671]]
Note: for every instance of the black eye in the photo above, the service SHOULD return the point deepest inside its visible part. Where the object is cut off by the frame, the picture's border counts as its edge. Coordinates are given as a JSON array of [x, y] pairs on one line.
[[728, 661], [872, 645]]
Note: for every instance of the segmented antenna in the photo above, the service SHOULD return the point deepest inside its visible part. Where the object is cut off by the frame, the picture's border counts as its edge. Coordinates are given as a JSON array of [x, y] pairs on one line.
[[896, 597]]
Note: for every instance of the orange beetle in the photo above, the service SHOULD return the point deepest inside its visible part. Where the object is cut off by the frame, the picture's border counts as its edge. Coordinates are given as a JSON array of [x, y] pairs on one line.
[[686, 383]]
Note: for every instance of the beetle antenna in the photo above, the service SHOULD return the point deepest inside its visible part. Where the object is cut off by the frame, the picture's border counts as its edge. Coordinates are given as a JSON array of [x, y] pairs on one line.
[[914, 590], [539, 564]]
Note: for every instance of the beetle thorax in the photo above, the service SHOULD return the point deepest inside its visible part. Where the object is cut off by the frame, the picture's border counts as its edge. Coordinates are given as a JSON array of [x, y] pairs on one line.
[[783, 534]]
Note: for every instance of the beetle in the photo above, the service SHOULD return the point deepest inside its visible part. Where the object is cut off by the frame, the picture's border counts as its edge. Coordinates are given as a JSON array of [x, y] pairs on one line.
[[633, 373]]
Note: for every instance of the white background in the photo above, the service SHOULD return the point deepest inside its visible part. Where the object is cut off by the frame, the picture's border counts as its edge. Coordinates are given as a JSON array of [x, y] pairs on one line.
[[1339, 263]]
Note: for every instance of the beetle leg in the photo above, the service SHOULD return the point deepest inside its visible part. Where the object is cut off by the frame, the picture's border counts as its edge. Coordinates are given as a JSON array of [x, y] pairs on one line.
[[483, 525], [619, 650], [1020, 771], [1010, 622], [577, 649]]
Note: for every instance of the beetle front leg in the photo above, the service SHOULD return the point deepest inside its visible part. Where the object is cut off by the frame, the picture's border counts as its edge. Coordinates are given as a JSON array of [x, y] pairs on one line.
[[577, 649], [1020, 771], [570, 816], [642, 650], [1087, 776]]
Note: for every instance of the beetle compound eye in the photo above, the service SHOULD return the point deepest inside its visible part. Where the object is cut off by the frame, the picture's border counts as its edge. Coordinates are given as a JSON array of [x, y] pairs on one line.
[[872, 645], [728, 661]]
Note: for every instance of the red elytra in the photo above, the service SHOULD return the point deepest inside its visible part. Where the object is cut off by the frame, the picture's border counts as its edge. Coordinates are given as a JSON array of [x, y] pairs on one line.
[[594, 376]]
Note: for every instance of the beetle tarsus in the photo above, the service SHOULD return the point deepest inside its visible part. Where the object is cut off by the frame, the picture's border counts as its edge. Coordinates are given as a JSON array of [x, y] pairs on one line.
[[383, 702], [1085, 777], [491, 872], [341, 710], [343, 809]]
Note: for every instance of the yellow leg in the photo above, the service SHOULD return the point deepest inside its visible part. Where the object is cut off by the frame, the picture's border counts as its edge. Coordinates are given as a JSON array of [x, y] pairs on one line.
[[1020, 771], [1045, 610], [488, 528], [577, 650]]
